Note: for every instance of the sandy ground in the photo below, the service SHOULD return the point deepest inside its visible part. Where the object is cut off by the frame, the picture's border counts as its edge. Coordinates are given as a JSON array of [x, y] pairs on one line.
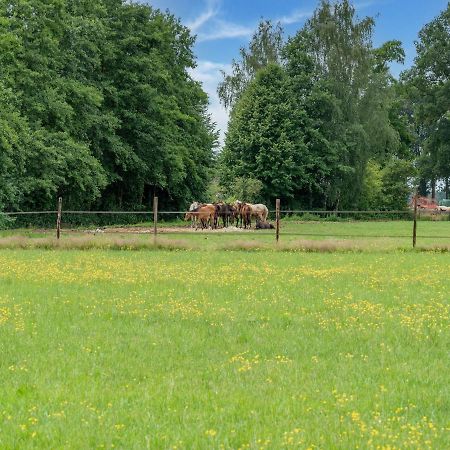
[[165, 230]]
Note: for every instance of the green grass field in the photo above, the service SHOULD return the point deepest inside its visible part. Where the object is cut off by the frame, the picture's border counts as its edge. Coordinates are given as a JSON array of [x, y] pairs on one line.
[[224, 349], [382, 235], [376, 235]]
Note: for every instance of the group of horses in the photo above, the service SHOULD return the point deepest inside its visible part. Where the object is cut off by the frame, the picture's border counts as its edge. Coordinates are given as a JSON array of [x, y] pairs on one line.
[[237, 214]]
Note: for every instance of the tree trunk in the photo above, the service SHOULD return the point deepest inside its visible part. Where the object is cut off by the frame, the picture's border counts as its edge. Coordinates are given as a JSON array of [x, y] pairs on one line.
[[446, 187], [423, 188], [433, 189]]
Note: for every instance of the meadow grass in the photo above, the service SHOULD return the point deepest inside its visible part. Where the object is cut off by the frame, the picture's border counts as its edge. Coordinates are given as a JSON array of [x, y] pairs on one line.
[[224, 349], [382, 235]]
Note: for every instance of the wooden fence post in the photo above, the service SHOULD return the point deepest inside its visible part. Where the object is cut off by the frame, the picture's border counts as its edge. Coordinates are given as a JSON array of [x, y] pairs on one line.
[[58, 218], [155, 217], [277, 218], [415, 220]]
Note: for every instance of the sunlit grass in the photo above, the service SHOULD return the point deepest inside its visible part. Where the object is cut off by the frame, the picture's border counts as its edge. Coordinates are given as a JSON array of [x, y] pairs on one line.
[[224, 349]]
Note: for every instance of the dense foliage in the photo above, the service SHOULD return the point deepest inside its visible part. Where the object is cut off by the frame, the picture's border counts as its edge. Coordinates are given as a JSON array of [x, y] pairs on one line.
[[96, 105], [326, 125], [428, 84]]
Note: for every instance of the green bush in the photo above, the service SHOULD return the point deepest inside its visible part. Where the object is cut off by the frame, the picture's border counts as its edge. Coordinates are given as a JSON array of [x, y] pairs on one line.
[[5, 221]]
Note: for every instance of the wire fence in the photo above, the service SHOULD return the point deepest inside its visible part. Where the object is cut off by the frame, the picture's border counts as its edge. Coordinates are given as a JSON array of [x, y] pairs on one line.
[[174, 222]]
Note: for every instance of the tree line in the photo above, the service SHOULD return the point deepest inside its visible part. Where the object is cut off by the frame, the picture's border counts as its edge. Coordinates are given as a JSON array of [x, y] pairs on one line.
[[320, 122], [97, 105]]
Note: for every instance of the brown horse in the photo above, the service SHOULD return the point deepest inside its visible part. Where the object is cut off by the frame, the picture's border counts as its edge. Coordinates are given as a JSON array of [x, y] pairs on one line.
[[206, 214], [260, 225], [258, 211], [246, 215], [238, 208], [226, 212]]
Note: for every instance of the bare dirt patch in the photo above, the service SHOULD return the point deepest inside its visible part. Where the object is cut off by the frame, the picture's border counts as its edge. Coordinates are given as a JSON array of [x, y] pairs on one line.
[[162, 230]]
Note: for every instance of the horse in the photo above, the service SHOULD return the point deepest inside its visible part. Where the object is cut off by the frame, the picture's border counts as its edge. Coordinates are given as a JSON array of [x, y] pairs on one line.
[[192, 217], [259, 212], [246, 215], [201, 212], [238, 207], [226, 212], [264, 225], [216, 214], [206, 213], [193, 207]]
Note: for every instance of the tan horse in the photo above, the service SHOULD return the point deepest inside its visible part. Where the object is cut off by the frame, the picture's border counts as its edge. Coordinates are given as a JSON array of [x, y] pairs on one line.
[[204, 214], [260, 212]]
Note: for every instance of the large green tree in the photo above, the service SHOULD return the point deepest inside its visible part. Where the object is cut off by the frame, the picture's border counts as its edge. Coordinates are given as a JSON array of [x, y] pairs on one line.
[[265, 48], [261, 140], [108, 111], [428, 82], [357, 75], [280, 133], [332, 109], [13, 131]]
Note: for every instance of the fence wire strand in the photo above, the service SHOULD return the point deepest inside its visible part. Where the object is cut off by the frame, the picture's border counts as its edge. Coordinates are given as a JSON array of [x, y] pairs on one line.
[[167, 229]]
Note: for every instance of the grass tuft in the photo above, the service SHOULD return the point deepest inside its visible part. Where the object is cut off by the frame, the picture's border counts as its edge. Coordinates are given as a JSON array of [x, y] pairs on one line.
[[325, 246], [92, 243], [438, 248]]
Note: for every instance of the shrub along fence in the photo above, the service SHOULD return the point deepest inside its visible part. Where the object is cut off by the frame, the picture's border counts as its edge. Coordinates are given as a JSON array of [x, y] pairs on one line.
[[173, 221]]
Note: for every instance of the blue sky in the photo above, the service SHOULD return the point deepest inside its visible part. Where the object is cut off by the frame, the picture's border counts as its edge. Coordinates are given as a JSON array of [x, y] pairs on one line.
[[223, 26]]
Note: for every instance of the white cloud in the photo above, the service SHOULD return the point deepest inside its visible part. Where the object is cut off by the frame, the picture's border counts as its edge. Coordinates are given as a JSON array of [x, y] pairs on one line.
[[225, 30], [212, 8], [362, 5], [211, 28], [294, 17], [209, 74]]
